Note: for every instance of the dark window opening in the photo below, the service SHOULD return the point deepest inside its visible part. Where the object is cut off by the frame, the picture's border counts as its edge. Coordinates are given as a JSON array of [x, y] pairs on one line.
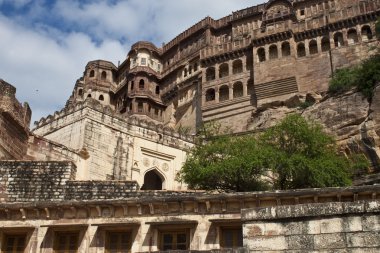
[[313, 47], [223, 70], [157, 90], [101, 98], [140, 107], [285, 49], [231, 237], [118, 242], [152, 180], [301, 52], [92, 73], [238, 90], [224, 93], [210, 95], [261, 54], [104, 75], [273, 52], [325, 44], [210, 74], [141, 84], [14, 243]]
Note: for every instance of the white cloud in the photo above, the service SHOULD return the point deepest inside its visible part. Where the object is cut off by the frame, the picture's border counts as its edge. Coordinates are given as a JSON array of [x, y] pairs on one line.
[[43, 62]]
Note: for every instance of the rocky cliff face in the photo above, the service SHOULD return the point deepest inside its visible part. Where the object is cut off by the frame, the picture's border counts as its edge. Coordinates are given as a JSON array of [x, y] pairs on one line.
[[350, 117]]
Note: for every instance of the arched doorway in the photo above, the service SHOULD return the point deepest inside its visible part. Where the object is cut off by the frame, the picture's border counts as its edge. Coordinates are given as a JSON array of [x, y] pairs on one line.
[[153, 180]]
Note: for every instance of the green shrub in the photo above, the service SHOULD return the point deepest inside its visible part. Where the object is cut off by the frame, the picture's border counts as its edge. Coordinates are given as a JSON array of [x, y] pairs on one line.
[[343, 80], [364, 77], [377, 28], [369, 75]]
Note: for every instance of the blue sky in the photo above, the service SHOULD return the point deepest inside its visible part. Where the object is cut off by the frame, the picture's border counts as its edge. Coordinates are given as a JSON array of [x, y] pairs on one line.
[[45, 44]]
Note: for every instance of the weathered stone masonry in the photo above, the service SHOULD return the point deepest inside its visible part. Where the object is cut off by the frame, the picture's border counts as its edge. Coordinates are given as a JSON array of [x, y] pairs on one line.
[[14, 123], [327, 227]]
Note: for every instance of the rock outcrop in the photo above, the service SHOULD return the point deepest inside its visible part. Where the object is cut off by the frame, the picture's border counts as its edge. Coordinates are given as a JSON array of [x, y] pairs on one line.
[[349, 117]]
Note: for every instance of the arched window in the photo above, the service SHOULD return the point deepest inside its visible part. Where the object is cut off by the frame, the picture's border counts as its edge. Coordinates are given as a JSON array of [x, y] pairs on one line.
[[80, 92], [101, 98], [352, 37], [89, 95], [285, 49], [210, 95], [92, 73], [273, 53], [153, 180], [301, 52], [157, 90], [141, 84], [185, 72], [237, 67], [104, 75], [238, 90], [224, 93], [261, 54], [366, 33], [195, 66], [325, 44], [338, 39], [223, 70], [313, 47], [140, 107], [210, 74]]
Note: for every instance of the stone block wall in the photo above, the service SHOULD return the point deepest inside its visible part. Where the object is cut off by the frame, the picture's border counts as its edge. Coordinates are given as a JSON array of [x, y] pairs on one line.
[[323, 227], [100, 190], [34, 181], [13, 138], [14, 123]]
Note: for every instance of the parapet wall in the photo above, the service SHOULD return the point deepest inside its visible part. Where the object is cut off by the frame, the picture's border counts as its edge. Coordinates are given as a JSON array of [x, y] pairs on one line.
[[327, 227], [34, 181], [14, 124], [9, 104]]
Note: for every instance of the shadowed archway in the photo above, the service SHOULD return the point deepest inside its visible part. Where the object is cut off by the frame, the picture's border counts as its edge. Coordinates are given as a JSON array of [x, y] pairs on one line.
[[153, 180]]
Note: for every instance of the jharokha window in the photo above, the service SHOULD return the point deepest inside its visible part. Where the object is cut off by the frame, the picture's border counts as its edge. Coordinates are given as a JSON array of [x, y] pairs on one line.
[[66, 242], [231, 237], [174, 240], [118, 242], [14, 243]]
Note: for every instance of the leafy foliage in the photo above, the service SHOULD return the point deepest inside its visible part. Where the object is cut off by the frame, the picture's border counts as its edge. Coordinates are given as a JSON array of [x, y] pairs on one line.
[[344, 79], [304, 156], [293, 154], [377, 27], [364, 77]]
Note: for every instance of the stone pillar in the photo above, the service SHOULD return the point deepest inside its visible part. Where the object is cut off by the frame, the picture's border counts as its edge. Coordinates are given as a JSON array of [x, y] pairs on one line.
[[266, 52], [307, 50], [216, 71], [279, 51], [319, 44], [217, 95], [245, 88], [230, 92], [230, 67]]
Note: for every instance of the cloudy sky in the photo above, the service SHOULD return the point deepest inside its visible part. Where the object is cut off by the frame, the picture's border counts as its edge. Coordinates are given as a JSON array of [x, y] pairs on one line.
[[45, 44]]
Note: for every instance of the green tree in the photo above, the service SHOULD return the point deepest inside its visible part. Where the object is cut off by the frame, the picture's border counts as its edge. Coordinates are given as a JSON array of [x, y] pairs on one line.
[[303, 156], [377, 28], [224, 163], [293, 154]]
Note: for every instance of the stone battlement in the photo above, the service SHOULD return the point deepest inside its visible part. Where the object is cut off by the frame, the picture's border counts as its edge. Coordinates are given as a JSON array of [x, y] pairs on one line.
[[134, 121], [10, 105]]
